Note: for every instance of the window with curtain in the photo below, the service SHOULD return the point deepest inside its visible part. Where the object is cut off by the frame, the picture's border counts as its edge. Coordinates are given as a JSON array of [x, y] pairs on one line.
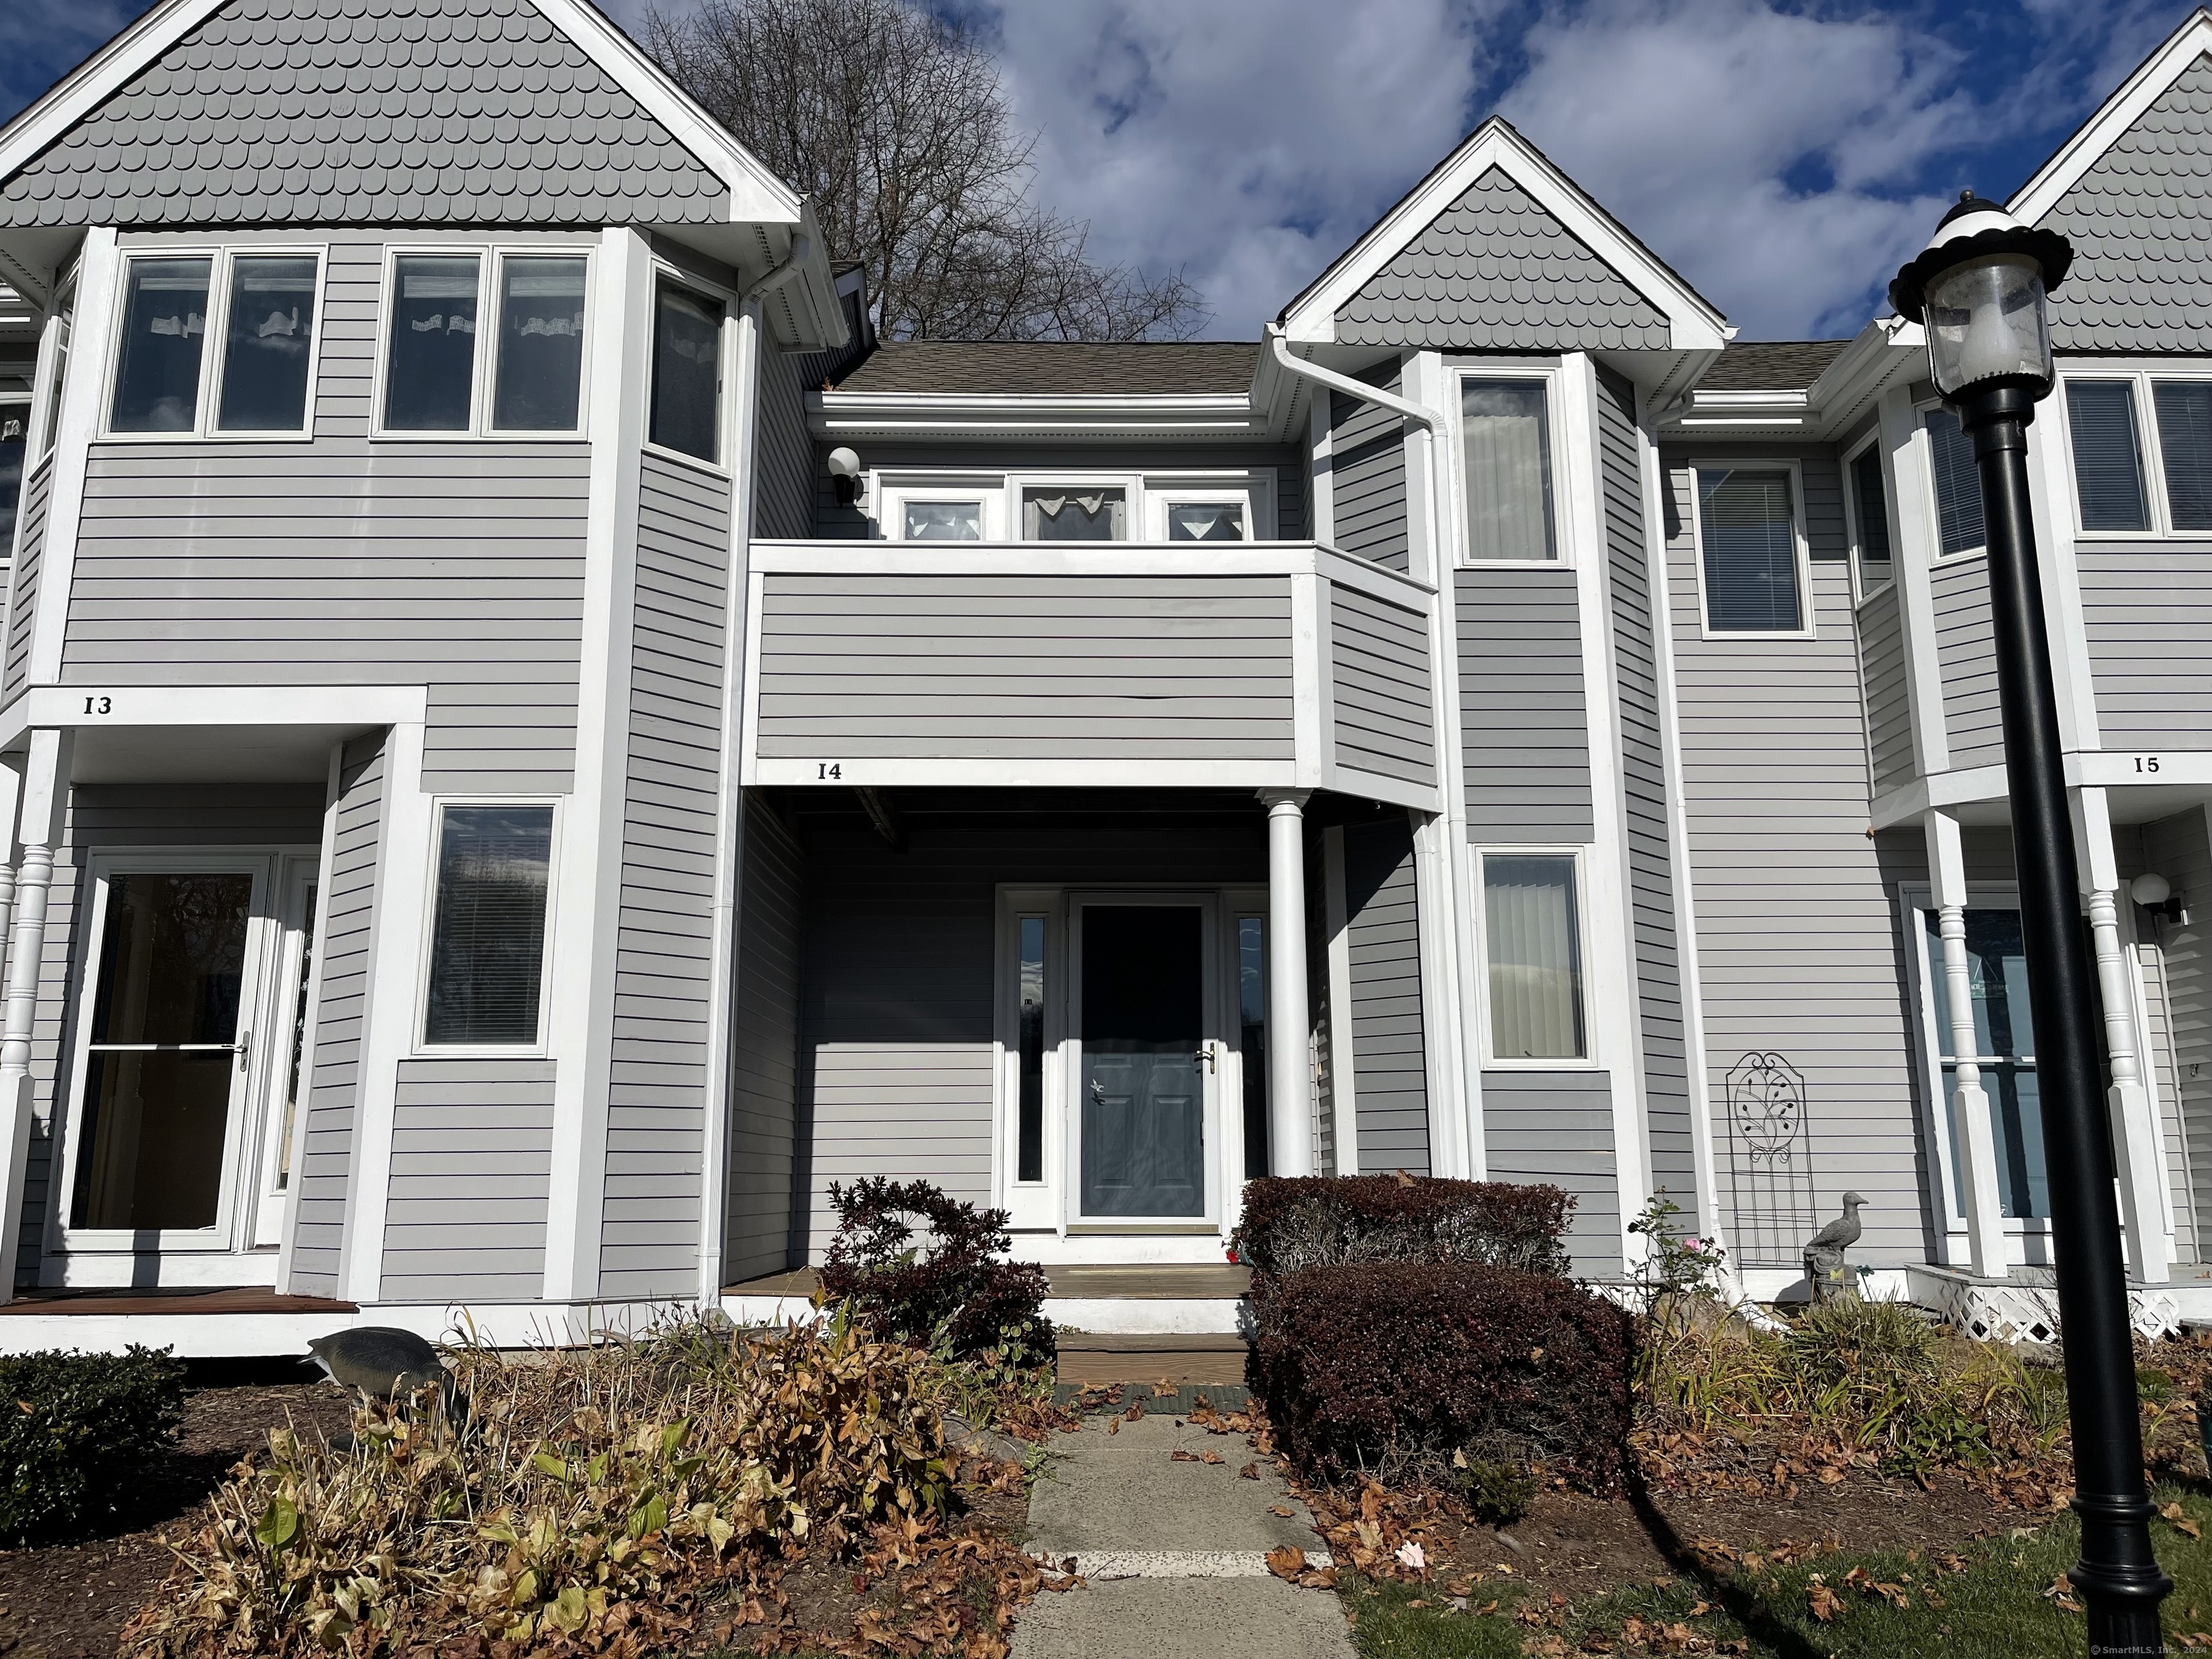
[[1870, 506], [2108, 476], [1749, 532], [1206, 521], [1074, 514], [269, 344], [1534, 952], [541, 344], [1505, 440], [2185, 449], [944, 521], [1957, 485], [488, 928], [157, 377], [687, 372], [430, 363]]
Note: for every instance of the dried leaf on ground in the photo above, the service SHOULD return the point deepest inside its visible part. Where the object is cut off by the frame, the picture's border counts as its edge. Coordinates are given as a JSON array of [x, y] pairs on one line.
[[1286, 1561]]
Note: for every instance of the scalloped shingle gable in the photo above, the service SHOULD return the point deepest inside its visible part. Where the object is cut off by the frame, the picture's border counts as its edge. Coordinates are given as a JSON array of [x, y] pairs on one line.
[[1496, 271], [367, 112]]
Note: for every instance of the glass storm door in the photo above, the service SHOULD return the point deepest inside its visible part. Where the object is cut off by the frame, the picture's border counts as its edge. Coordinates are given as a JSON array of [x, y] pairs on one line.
[[1146, 1074], [164, 1081], [1997, 965]]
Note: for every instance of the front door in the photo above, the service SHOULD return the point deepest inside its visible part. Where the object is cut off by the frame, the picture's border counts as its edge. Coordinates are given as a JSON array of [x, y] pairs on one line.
[[1146, 1082]]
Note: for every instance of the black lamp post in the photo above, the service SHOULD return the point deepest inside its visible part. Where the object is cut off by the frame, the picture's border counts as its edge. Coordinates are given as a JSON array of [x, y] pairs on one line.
[[1979, 288]]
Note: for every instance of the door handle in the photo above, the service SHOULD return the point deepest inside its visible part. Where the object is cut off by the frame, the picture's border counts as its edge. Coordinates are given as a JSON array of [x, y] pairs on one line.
[[1205, 1052], [244, 1044], [1097, 1091]]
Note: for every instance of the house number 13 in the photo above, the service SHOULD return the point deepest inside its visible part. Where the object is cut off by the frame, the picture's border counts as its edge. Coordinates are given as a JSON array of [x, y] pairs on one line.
[[99, 705]]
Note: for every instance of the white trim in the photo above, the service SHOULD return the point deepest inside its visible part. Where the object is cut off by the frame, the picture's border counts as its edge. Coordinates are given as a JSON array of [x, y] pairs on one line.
[[318, 944], [726, 360], [1344, 1082], [582, 997], [2113, 118], [2050, 450], [1312, 728], [1253, 489], [1134, 772], [890, 558], [1794, 469], [1914, 553], [1320, 469], [888, 494], [1568, 547], [83, 379], [1039, 1206], [540, 1045], [1694, 325], [106, 72], [1215, 416], [92, 706], [287, 1011], [748, 760]]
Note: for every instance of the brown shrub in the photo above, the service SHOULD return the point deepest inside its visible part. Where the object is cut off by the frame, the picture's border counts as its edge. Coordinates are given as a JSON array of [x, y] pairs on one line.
[[1290, 1223]]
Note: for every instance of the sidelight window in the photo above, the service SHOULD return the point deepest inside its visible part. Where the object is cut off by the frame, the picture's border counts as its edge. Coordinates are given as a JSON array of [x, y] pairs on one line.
[[488, 928]]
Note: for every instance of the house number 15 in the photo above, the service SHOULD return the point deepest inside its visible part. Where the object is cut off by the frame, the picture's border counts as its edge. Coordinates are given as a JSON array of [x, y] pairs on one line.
[[2146, 763]]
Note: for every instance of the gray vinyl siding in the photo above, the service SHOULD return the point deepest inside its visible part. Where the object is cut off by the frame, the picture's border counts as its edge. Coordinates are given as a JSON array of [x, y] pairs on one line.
[[664, 1011], [757, 1235], [1025, 666], [1320, 1008], [1888, 701], [1367, 475], [100, 817], [898, 990], [1966, 651], [834, 522], [472, 1166], [1522, 715], [330, 1110], [1384, 941], [1379, 686], [1556, 1127], [23, 602], [1798, 948], [2147, 613], [1647, 841], [2176, 847], [455, 565], [783, 451]]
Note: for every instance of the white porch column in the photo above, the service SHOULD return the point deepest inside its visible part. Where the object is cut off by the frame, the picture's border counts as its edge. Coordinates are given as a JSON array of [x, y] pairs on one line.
[[1973, 1134], [1289, 1095], [45, 801], [2139, 1159]]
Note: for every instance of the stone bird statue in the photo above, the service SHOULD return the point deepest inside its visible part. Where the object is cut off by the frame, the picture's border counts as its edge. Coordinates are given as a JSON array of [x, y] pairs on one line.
[[1844, 1231], [382, 1362], [1824, 1253]]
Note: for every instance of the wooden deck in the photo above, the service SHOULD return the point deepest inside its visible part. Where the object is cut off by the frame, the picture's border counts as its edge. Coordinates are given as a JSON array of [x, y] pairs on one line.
[[148, 1299]]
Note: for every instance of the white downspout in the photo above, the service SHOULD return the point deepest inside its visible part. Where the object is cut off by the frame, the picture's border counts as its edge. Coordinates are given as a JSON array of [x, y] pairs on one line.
[[1462, 1069]]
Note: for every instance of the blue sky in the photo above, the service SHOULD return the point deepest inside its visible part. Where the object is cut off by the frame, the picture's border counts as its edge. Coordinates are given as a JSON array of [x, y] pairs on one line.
[[1784, 157]]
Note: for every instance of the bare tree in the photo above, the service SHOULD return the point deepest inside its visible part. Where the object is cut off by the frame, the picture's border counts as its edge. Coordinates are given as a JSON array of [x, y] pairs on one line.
[[894, 122]]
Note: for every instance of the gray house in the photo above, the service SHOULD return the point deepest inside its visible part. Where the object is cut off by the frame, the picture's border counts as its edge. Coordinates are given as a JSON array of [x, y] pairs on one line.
[[531, 744]]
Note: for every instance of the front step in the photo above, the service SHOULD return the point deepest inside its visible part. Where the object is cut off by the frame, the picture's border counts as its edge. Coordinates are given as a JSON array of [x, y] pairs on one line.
[[1210, 1363]]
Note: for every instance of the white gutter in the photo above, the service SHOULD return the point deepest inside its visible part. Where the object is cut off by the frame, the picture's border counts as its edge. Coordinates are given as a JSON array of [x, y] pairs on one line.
[[1461, 1070]]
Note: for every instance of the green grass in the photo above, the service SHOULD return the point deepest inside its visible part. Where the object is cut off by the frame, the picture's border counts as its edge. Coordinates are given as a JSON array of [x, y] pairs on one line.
[[1994, 1610]]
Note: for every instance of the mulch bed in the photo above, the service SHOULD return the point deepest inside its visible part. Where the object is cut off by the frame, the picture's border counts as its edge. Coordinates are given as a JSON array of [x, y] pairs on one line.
[[71, 1601]]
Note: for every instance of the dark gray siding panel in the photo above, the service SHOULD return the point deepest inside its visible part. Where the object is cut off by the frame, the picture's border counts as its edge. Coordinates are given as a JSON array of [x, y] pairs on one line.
[[2149, 616], [1025, 666], [663, 964], [1367, 475], [1521, 711], [327, 1150], [1556, 1127], [458, 566], [1966, 653], [472, 1166], [783, 457], [1379, 669], [1669, 1123], [1888, 701], [758, 1233], [1389, 1063], [31, 542], [1496, 271]]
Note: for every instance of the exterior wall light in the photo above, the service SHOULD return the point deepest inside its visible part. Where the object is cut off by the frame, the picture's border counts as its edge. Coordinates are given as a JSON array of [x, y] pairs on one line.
[[1980, 287], [845, 469], [2156, 894]]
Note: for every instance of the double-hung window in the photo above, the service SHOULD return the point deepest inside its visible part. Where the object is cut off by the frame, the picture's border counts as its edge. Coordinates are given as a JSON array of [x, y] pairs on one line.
[[1532, 939], [258, 307], [1505, 467], [1751, 556], [687, 372], [2142, 448], [482, 340], [487, 927]]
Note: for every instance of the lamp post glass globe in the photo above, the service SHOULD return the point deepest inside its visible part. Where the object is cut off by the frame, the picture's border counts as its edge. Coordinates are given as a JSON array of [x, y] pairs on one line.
[[1986, 322]]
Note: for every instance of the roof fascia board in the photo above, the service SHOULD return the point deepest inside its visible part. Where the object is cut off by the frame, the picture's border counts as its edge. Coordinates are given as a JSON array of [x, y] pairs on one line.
[[2114, 117], [854, 414], [1693, 322], [106, 72]]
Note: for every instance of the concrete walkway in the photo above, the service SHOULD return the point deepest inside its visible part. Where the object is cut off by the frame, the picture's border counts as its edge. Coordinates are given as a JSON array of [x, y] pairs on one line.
[[1175, 1552]]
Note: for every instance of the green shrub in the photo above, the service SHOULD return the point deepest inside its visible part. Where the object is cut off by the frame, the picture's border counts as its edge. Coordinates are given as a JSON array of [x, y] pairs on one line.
[[1291, 1222], [1497, 1490], [1423, 1368], [77, 1433]]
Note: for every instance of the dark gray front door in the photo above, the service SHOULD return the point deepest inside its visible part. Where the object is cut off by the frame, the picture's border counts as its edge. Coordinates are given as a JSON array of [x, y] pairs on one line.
[[1144, 1089]]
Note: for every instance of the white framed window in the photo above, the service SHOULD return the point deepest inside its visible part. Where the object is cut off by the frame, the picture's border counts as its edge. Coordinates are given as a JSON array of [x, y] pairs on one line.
[[482, 340], [1866, 506], [1048, 507], [487, 941], [1954, 483], [1215, 508], [14, 460], [1510, 457], [1535, 1012], [54, 370], [690, 370], [2139, 444], [219, 343], [1754, 563], [1075, 511], [943, 507]]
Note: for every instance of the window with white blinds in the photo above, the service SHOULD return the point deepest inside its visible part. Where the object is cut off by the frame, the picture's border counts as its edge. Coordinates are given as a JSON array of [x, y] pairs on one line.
[[1506, 443], [488, 929], [1957, 485], [1749, 529], [1870, 518], [1534, 951], [2108, 474], [2184, 449]]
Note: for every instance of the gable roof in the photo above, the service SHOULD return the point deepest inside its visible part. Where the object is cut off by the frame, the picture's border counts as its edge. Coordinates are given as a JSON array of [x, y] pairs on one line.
[[1410, 247], [1770, 365], [1033, 369]]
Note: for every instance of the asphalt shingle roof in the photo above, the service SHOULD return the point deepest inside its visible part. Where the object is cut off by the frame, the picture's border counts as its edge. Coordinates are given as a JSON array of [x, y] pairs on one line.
[[1771, 365], [1017, 369]]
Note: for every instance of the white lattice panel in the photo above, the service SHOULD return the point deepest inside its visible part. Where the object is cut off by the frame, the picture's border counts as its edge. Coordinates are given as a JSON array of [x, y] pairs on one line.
[[1996, 1310]]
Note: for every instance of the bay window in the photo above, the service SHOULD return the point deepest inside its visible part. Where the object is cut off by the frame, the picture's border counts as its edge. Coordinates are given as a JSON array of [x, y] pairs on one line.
[[687, 372], [157, 369], [2141, 449], [13, 419], [1872, 563], [259, 305], [462, 358]]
